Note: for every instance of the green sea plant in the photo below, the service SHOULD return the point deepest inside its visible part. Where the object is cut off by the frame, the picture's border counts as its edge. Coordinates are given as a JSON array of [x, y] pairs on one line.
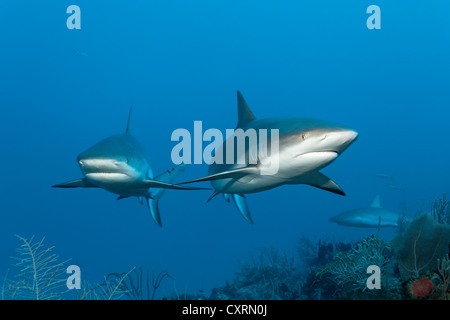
[[270, 275], [40, 276], [440, 210], [443, 279], [349, 269], [420, 247], [111, 288], [132, 285]]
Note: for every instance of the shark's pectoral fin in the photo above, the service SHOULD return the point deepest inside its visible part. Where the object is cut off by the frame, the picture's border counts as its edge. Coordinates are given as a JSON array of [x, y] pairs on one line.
[[318, 180], [215, 193], [247, 178], [232, 174], [149, 183], [241, 204], [152, 204], [79, 183]]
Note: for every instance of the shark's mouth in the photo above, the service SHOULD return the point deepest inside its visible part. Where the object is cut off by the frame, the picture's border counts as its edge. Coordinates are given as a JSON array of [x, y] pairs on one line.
[[315, 160], [94, 174], [107, 176], [319, 154]]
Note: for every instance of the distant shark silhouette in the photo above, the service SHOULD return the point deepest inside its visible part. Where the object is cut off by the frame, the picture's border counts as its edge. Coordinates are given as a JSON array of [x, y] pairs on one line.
[[373, 216], [80, 53], [385, 176], [305, 147], [120, 165]]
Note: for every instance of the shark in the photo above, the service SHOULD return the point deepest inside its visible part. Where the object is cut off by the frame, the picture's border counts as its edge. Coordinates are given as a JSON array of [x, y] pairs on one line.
[[80, 53], [120, 165], [385, 176], [373, 216], [305, 146]]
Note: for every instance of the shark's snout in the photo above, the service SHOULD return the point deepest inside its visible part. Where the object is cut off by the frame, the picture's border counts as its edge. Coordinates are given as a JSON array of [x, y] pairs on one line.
[[350, 135], [342, 139]]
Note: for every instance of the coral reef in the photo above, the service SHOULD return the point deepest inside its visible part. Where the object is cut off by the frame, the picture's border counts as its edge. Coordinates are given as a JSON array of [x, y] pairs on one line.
[[420, 287], [126, 285], [271, 276], [132, 284], [339, 270], [415, 264], [420, 247], [111, 288], [40, 276], [348, 271], [440, 210], [275, 275], [320, 254], [442, 280]]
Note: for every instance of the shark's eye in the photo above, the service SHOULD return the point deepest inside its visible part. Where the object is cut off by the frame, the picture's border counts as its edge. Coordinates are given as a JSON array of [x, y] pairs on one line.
[[303, 136]]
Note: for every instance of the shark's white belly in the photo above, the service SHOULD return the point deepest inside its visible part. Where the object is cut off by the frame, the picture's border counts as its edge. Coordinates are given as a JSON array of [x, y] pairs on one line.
[[118, 183], [274, 172]]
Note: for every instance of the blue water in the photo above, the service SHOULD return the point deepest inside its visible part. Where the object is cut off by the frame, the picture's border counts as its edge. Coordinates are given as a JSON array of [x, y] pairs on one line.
[[180, 61]]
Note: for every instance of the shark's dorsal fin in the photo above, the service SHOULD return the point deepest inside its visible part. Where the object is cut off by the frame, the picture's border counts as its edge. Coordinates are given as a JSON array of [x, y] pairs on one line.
[[376, 202], [245, 115], [129, 120]]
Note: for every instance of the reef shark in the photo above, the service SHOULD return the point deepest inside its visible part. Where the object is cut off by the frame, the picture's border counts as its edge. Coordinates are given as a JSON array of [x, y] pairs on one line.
[[80, 53], [305, 146], [120, 165], [373, 216]]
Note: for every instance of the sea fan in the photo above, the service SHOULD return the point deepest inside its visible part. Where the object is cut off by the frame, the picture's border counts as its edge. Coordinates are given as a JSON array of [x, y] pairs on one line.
[[420, 247], [40, 274]]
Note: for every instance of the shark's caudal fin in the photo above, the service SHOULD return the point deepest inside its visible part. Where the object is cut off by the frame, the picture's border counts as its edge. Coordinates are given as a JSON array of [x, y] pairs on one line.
[[319, 180], [167, 177], [245, 115], [79, 183], [241, 204]]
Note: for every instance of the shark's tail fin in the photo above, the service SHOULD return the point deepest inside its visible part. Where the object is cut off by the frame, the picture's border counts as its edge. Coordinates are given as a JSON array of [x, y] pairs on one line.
[[152, 201]]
